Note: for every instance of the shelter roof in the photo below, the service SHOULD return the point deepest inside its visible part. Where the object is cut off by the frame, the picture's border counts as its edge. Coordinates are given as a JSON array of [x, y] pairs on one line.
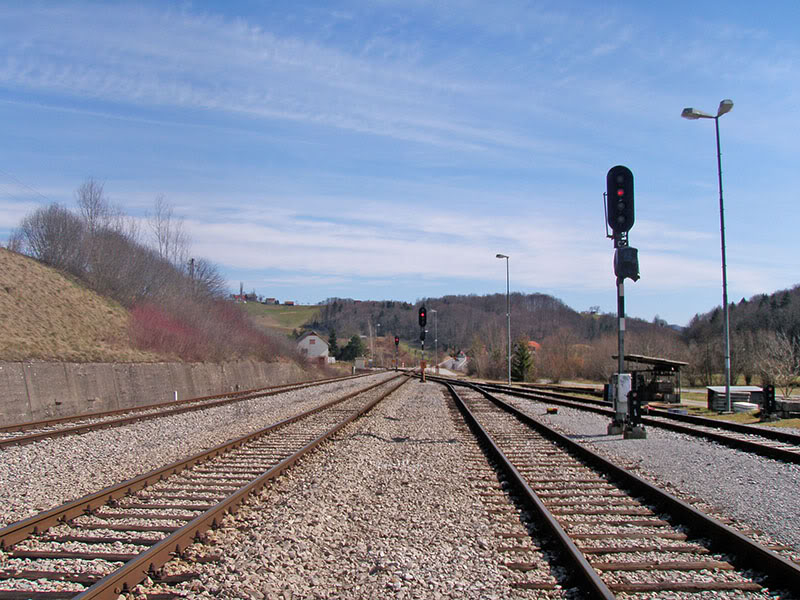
[[662, 364]]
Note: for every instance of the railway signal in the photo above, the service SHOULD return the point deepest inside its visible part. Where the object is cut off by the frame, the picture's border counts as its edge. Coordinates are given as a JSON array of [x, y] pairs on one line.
[[619, 187], [396, 341], [423, 319], [620, 217]]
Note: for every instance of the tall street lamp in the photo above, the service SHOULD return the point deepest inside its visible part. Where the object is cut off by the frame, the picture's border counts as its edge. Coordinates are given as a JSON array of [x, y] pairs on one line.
[[378, 343], [508, 315], [436, 339], [692, 113]]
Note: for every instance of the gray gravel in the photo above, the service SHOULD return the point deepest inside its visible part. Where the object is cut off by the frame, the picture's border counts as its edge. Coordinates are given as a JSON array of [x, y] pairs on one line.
[[756, 491], [386, 510], [360, 517], [49, 473]]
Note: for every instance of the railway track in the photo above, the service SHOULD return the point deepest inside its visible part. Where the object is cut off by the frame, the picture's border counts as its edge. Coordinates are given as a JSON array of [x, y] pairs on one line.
[[34, 431], [769, 442], [617, 533], [104, 544]]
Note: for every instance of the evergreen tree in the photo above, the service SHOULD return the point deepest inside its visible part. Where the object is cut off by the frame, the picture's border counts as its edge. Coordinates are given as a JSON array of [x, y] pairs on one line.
[[521, 361], [333, 346], [353, 349]]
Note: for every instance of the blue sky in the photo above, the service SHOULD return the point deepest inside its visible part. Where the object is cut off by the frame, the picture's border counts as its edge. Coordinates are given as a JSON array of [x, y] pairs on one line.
[[389, 149]]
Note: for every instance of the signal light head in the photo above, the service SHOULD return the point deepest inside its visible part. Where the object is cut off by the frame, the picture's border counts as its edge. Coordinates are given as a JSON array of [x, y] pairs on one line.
[[619, 189]]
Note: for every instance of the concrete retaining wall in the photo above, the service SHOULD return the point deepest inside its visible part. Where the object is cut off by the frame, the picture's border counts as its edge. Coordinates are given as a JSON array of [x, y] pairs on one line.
[[36, 391]]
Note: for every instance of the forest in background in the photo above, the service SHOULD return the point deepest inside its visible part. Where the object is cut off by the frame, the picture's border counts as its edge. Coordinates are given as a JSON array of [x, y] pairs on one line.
[[764, 333]]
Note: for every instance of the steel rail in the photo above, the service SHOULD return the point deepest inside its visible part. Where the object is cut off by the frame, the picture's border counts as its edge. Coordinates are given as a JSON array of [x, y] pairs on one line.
[[781, 572], [137, 569], [664, 421], [584, 572], [195, 404], [769, 433], [23, 529]]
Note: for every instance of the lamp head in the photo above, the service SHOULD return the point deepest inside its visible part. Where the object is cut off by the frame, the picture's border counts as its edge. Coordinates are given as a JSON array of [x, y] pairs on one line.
[[693, 113], [501, 256], [724, 106]]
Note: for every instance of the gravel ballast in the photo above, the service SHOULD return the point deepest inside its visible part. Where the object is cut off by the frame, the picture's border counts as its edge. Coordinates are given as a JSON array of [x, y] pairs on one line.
[[49, 473], [385, 509], [390, 507], [757, 491]]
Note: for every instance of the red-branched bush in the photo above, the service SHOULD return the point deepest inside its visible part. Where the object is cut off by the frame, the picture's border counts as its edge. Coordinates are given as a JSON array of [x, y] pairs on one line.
[[152, 328], [210, 330]]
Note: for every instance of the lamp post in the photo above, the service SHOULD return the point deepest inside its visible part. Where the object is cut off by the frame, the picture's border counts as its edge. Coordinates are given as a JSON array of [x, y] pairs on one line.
[[378, 343], [436, 339], [692, 114], [508, 315]]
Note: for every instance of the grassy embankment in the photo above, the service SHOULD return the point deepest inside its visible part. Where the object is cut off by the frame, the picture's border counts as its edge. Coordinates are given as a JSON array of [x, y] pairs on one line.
[[45, 315]]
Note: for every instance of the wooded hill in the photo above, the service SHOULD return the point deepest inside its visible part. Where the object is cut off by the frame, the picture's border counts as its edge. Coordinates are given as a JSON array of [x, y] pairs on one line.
[[764, 334], [573, 344]]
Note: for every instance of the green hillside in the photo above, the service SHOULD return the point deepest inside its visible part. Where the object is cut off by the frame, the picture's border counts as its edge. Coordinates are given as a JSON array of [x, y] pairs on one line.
[[280, 317]]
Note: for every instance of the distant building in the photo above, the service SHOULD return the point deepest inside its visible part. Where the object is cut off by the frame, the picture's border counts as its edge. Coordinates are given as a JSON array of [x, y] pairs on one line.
[[455, 363], [534, 347], [310, 344], [271, 301], [252, 297], [288, 303]]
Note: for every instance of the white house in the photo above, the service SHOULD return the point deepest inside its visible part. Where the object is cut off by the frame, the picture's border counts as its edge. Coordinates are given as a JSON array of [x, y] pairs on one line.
[[312, 345], [455, 363]]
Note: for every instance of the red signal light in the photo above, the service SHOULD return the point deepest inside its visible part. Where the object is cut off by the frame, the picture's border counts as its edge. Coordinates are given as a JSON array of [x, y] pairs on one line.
[[620, 192]]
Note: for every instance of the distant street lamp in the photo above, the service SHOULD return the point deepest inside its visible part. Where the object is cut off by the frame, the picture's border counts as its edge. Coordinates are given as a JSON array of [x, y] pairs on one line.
[[436, 337], [508, 315], [692, 114], [378, 342]]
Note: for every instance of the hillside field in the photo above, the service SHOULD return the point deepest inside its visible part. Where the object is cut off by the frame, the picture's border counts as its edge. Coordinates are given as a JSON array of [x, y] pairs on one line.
[[278, 317]]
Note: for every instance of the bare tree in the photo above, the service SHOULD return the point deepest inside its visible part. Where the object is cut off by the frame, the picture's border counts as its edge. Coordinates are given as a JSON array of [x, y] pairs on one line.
[[16, 241], [559, 359], [55, 236], [780, 361], [93, 205], [207, 280], [171, 241]]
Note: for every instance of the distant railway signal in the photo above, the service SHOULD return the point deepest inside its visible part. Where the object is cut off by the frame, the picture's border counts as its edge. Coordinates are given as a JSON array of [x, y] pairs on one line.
[[423, 316], [396, 341], [619, 187]]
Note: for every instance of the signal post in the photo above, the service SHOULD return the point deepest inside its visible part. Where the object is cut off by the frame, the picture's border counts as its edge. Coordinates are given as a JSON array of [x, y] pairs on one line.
[[620, 217]]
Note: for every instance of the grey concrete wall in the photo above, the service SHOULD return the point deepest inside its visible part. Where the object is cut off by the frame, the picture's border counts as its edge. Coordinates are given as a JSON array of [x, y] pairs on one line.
[[35, 391]]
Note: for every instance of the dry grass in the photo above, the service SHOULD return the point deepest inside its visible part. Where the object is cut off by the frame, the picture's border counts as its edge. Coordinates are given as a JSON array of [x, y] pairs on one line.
[[279, 317], [44, 315]]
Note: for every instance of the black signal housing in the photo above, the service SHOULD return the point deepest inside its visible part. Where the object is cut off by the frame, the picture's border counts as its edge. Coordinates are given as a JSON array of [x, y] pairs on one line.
[[619, 190]]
